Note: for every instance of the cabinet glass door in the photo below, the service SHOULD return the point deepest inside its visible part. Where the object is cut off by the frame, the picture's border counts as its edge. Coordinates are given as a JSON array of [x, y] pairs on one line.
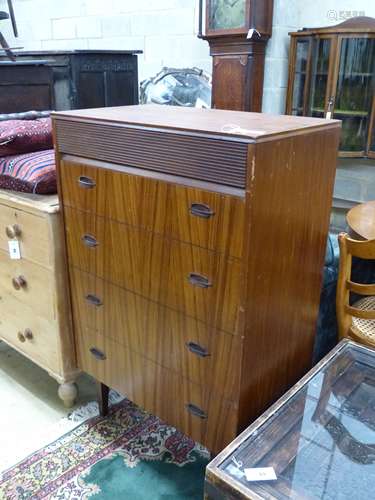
[[300, 76], [354, 92], [319, 77]]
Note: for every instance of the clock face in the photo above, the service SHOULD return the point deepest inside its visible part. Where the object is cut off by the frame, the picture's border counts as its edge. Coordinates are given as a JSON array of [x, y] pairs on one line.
[[226, 14]]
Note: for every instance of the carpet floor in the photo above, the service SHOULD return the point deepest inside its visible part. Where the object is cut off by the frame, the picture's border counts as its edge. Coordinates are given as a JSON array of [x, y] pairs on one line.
[[127, 455]]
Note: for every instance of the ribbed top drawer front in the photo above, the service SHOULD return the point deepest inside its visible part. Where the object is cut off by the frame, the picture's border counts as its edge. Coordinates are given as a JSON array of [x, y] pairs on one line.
[[203, 158]]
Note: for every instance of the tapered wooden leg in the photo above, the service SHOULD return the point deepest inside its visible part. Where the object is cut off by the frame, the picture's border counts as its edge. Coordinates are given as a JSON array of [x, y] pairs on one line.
[[103, 393]]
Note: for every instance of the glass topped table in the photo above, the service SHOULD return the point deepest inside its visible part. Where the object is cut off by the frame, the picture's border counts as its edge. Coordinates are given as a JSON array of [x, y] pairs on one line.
[[318, 440]]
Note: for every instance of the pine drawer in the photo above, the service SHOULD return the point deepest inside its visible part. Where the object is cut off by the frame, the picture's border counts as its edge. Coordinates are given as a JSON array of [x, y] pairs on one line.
[[31, 231], [28, 283]]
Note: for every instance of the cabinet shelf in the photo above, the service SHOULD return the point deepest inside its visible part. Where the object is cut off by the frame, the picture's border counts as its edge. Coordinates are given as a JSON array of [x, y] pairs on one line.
[[343, 112], [341, 66]]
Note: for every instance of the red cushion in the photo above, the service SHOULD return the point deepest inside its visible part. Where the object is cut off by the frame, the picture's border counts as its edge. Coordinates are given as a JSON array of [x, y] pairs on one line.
[[29, 173], [25, 136]]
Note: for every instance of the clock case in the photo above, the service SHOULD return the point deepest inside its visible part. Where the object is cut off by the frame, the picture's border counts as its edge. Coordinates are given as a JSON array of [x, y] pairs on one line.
[[238, 61]]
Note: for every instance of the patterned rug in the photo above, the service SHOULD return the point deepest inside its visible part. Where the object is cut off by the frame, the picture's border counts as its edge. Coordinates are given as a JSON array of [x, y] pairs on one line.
[[127, 455]]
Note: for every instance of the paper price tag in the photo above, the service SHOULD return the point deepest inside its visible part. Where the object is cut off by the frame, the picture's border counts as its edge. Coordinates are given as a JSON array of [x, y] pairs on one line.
[[261, 474], [251, 33], [329, 115], [14, 249]]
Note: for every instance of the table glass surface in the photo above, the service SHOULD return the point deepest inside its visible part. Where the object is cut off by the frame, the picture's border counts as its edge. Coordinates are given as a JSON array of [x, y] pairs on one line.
[[321, 442]]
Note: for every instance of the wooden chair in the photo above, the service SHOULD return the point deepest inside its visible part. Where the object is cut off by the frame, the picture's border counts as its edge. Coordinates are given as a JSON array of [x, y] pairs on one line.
[[355, 321]]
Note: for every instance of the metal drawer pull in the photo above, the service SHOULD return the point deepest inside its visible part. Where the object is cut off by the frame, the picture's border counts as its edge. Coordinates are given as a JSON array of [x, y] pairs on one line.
[[98, 354], [201, 210], [19, 282], [89, 241], [199, 280], [93, 300], [196, 411], [13, 231], [197, 349], [86, 182]]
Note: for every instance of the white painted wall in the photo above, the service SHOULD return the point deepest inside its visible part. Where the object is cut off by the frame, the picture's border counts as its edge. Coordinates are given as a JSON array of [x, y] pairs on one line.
[[166, 31]]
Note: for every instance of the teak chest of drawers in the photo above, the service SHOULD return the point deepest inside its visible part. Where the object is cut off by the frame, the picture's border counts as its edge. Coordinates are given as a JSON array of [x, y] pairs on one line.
[[35, 314], [196, 241]]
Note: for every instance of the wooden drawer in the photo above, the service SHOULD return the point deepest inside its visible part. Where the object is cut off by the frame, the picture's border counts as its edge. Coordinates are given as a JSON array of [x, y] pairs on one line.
[[190, 279], [28, 283], [44, 347], [183, 404], [34, 236], [186, 345], [205, 218]]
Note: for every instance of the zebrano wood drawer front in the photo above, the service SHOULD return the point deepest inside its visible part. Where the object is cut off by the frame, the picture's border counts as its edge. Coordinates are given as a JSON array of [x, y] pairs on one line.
[[205, 218], [196, 241]]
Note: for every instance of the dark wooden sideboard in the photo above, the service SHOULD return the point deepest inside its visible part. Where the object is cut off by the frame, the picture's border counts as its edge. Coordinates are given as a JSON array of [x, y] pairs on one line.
[[75, 79], [196, 241]]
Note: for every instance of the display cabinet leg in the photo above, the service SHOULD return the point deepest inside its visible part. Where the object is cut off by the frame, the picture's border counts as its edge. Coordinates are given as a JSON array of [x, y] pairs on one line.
[[68, 394], [103, 395]]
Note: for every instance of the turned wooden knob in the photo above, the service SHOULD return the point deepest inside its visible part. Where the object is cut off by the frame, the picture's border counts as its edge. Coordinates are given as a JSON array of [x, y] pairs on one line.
[[21, 337], [28, 334], [19, 282], [13, 230]]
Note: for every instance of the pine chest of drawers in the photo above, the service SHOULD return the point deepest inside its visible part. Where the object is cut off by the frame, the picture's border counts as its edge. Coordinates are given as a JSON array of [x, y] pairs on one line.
[[34, 308], [195, 241]]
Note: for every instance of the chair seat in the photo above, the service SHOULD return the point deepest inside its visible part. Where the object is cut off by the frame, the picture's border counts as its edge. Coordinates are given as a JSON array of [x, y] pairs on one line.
[[4, 15], [365, 328]]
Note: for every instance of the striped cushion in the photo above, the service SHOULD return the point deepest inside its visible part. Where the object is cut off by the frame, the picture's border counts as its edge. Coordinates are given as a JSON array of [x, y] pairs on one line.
[[25, 136], [29, 173]]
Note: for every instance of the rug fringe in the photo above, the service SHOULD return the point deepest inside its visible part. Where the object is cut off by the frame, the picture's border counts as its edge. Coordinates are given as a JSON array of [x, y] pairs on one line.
[[91, 409]]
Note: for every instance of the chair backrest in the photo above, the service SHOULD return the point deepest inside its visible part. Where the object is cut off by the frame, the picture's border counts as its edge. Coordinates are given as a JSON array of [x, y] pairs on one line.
[[350, 248]]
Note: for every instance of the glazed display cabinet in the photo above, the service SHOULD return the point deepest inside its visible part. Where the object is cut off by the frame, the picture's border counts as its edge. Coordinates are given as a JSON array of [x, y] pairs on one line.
[[332, 75]]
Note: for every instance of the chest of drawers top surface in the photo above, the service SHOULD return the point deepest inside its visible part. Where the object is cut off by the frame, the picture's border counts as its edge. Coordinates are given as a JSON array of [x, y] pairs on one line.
[[224, 123], [200, 144]]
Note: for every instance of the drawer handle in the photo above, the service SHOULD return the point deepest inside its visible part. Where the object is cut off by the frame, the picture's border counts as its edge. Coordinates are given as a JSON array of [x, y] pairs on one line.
[[196, 411], [201, 210], [89, 241], [19, 282], [13, 230], [98, 354], [27, 335], [86, 182], [199, 280], [93, 300], [197, 349]]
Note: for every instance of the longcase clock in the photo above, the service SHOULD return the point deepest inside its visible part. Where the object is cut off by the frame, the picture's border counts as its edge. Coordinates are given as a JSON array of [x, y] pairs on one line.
[[237, 32]]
